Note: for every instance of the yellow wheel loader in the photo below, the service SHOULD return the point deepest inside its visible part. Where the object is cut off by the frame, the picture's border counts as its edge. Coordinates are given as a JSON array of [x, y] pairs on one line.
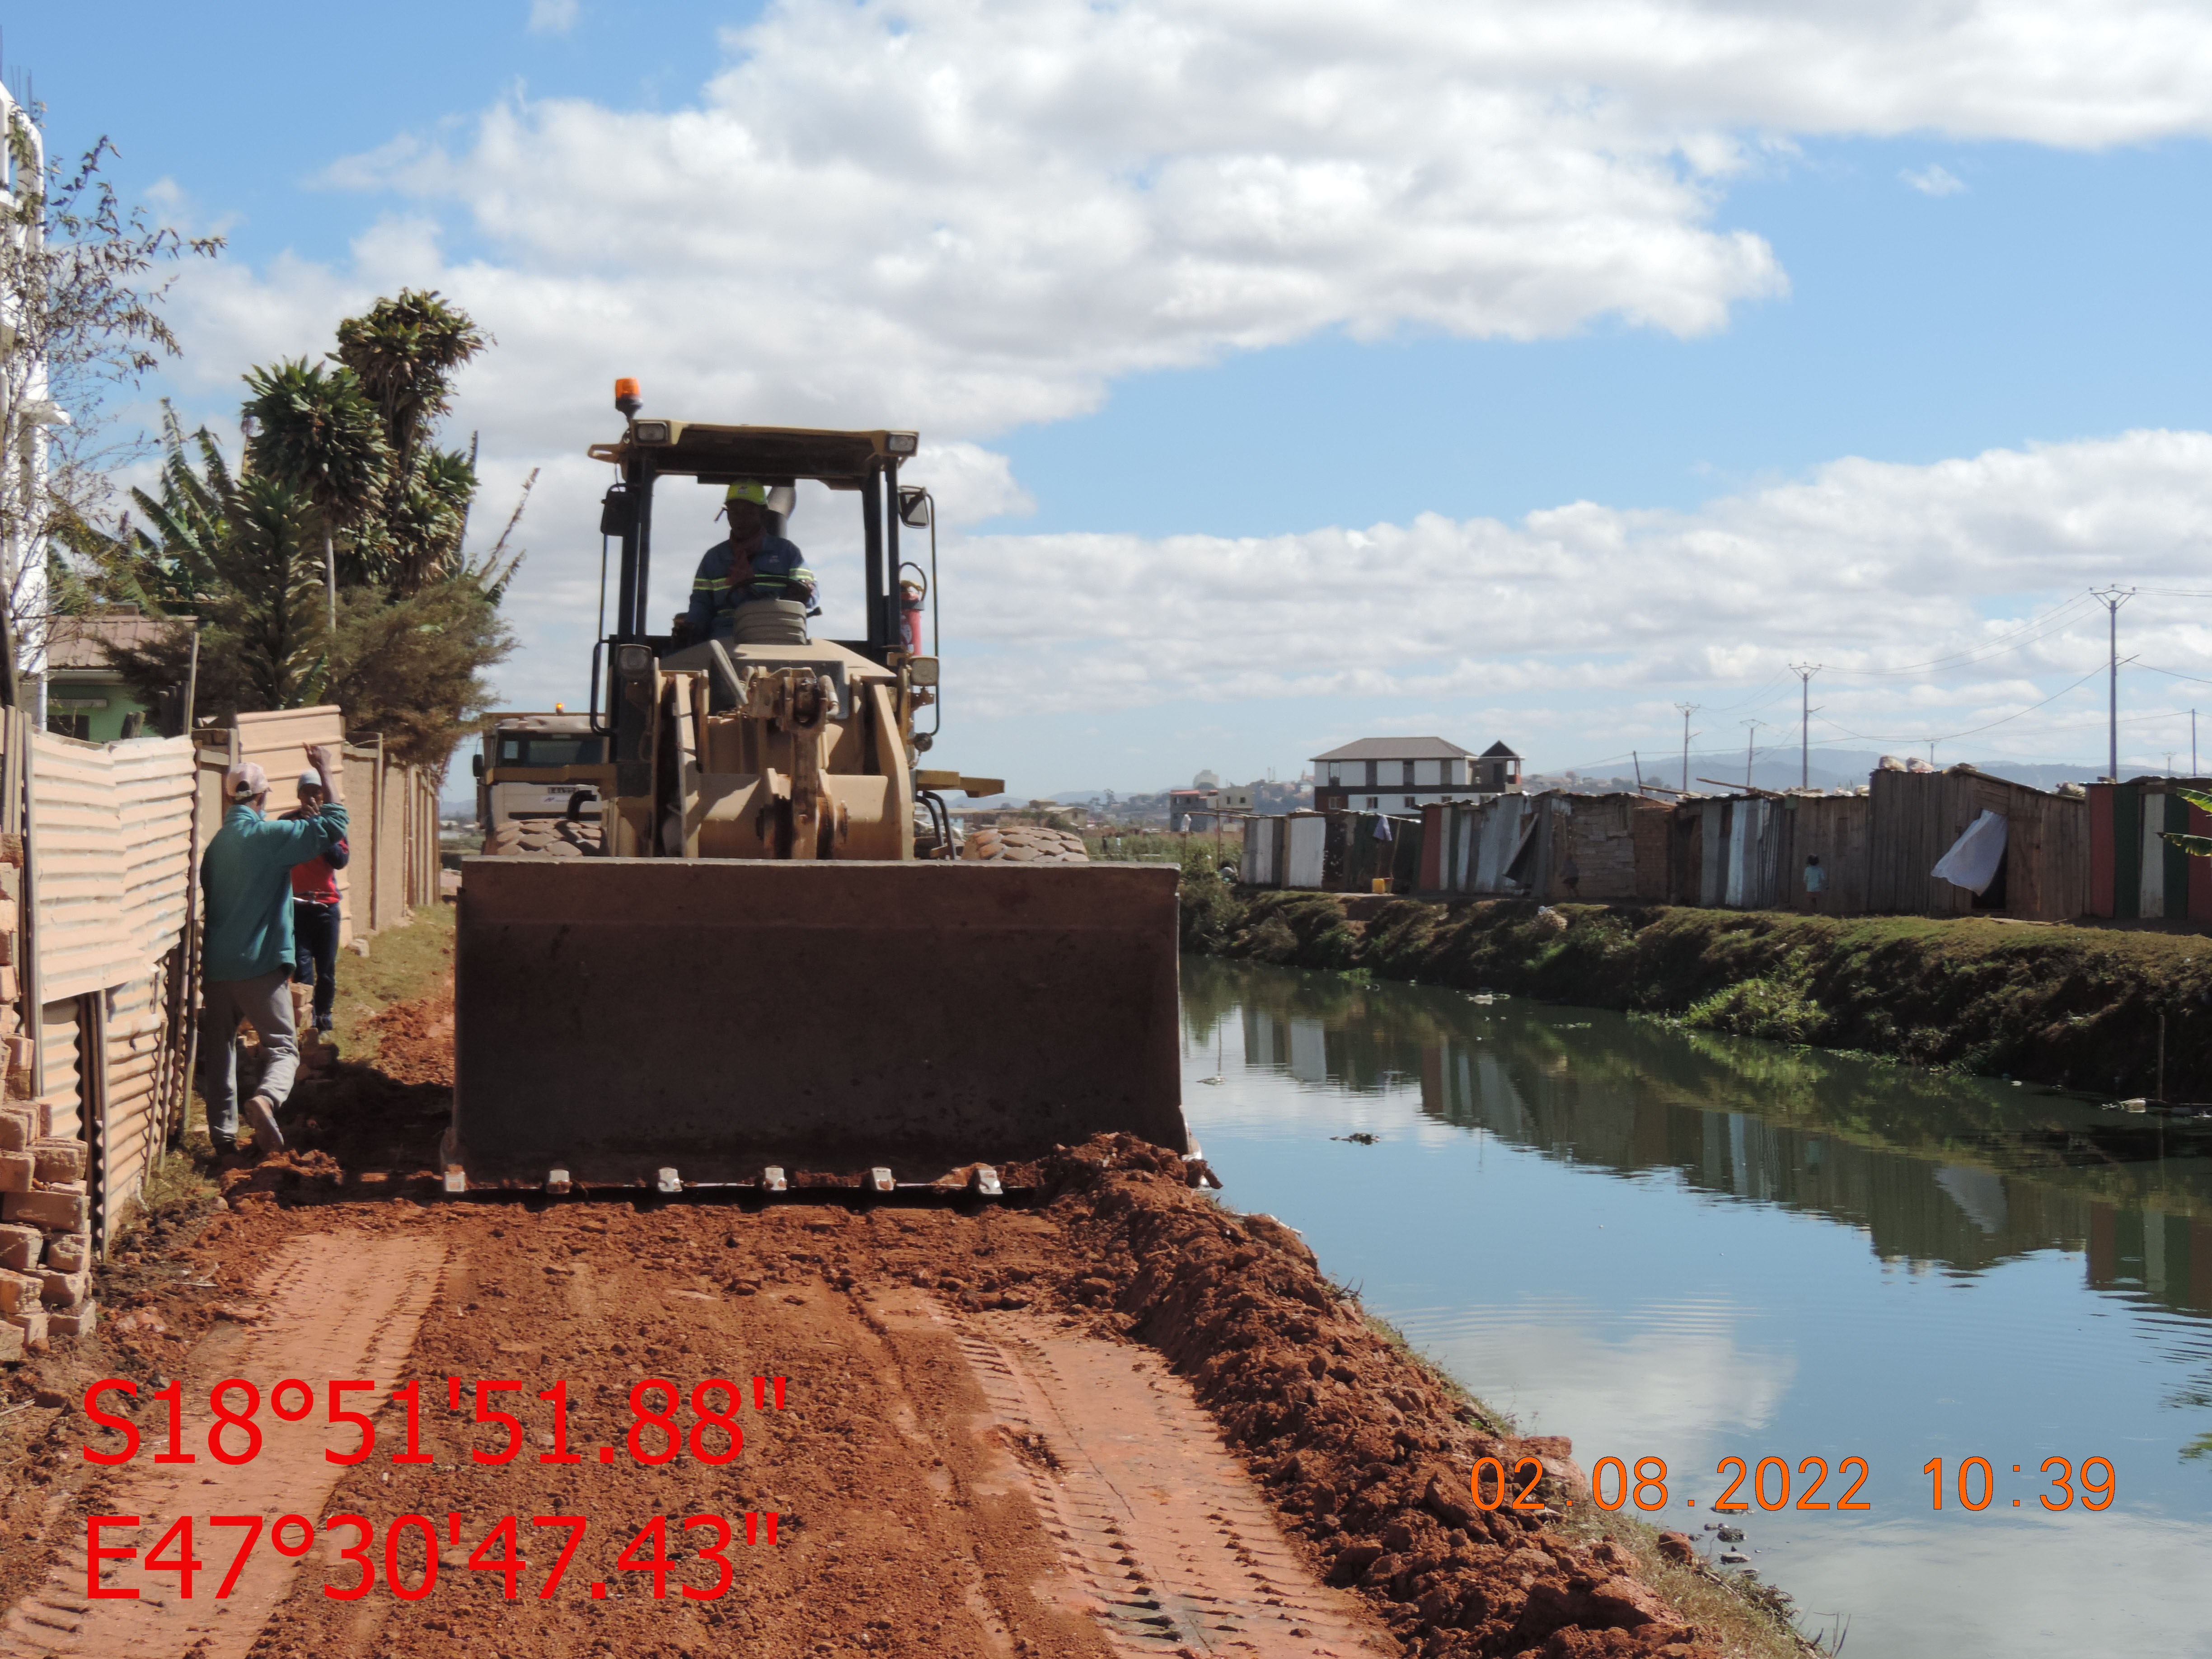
[[769, 969]]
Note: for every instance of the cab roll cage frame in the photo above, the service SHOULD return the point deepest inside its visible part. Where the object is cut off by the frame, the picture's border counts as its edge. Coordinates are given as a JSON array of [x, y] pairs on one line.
[[626, 515]]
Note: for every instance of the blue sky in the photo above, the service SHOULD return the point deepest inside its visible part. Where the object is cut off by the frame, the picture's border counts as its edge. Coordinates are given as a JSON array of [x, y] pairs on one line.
[[1267, 370]]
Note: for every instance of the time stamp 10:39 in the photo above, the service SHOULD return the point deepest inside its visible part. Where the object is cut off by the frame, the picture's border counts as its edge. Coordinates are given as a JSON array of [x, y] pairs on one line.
[[1970, 1482]]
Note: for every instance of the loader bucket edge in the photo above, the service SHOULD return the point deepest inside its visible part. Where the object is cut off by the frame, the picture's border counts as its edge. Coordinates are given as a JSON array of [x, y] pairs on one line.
[[614, 1017]]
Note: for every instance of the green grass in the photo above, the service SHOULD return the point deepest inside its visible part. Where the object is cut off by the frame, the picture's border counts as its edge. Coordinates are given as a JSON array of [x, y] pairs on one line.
[[2078, 1006], [402, 964]]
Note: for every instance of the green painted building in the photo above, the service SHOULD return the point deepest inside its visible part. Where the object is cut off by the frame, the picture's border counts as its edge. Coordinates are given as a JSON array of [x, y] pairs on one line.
[[85, 698]]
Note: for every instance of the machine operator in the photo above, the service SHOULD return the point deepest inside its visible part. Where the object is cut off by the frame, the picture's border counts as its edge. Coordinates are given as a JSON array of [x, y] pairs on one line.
[[750, 566]]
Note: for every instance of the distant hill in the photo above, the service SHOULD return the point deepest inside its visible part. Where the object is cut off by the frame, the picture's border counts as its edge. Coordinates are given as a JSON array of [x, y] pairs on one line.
[[1831, 768]]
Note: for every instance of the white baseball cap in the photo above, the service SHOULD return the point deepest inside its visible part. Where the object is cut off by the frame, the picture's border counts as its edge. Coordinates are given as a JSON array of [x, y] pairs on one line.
[[245, 780], [310, 780]]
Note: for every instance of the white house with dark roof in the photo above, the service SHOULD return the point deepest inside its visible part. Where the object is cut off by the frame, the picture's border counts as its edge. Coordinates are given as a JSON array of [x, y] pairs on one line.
[[1404, 775]]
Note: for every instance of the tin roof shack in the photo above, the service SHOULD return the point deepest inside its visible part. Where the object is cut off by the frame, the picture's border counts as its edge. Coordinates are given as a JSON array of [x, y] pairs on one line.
[[2135, 874], [1602, 849], [1915, 818], [1829, 835], [1754, 852]]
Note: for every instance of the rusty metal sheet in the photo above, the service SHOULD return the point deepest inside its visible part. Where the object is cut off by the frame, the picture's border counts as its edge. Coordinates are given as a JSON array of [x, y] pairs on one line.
[[616, 1015]]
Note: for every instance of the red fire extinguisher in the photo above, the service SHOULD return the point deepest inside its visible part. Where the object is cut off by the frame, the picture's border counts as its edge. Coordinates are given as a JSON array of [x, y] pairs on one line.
[[911, 597]]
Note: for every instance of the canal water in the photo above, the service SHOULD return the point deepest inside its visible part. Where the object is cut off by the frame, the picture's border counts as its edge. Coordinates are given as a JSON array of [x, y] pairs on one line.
[[1668, 1244]]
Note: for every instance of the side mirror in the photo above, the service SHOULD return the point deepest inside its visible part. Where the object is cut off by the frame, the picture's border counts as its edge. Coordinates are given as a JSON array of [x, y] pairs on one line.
[[916, 509], [476, 765]]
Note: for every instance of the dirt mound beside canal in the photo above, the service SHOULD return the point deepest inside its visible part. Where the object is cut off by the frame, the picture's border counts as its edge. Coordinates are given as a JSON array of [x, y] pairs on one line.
[[1362, 1449]]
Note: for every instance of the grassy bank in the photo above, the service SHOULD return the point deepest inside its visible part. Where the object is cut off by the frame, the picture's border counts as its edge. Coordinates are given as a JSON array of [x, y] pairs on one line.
[[2078, 1007]]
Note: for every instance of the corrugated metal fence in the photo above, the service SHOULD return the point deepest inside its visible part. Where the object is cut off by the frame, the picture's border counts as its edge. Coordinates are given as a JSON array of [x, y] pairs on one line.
[[99, 905], [1834, 854], [2135, 874]]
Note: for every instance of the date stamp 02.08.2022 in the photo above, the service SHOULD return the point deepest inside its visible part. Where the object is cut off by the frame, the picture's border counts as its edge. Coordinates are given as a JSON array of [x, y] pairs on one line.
[[1971, 1483]]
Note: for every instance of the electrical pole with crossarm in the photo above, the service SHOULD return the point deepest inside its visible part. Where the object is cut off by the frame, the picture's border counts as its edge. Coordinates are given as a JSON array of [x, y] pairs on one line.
[[1804, 672], [2112, 598], [1688, 710]]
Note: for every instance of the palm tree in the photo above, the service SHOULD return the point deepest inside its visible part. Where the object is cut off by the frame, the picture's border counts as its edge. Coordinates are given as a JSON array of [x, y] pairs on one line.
[[405, 351], [321, 431]]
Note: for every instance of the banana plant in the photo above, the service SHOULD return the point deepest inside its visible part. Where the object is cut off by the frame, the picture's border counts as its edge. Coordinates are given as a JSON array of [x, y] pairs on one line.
[[2197, 847]]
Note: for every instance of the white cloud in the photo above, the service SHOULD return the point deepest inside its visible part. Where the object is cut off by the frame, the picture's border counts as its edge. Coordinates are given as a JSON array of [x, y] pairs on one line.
[[1867, 567], [553, 16], [1934, 180], [1576, 628], [968, 214]]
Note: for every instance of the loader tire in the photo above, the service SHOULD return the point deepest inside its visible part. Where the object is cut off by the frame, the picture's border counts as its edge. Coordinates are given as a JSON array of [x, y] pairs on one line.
[[561, 837], [1024, 843]]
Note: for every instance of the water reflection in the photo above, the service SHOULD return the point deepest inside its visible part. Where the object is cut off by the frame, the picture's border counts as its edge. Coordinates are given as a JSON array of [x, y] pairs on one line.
[[1695, 1248], [1957, 1173]]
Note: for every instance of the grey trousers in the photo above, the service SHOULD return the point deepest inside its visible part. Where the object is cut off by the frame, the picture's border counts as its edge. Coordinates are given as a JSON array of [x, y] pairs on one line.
[[265, 1002]]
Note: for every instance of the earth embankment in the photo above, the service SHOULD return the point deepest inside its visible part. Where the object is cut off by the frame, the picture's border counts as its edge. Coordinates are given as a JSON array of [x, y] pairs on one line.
[[2078, 1007], [1121, 1420]]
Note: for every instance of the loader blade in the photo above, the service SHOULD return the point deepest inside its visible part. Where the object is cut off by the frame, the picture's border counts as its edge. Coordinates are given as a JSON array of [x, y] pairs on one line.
[[615, 1017]]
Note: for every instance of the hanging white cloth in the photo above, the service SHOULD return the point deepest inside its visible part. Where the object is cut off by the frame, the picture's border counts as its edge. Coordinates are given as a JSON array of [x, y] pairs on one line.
[[1976, 857]]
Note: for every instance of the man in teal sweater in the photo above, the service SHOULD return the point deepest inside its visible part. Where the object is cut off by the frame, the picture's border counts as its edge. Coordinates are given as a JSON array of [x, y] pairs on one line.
[[245, 959]]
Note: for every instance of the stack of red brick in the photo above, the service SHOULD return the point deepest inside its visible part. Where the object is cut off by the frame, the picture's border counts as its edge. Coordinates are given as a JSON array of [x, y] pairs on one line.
[[45, 1236]]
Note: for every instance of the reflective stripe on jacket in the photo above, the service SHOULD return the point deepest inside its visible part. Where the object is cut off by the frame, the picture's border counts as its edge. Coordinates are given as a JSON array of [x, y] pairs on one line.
[[779, 571]]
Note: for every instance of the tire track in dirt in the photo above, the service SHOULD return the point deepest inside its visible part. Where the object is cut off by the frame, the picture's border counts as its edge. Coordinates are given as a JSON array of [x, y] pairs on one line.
[[1163, 1538], [342, 1304]]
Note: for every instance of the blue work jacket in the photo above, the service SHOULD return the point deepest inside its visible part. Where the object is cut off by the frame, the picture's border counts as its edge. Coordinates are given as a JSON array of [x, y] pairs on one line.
[[779, 571]]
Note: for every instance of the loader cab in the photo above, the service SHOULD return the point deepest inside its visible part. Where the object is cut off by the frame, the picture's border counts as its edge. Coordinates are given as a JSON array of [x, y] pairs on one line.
[[537, 766], [660, 743]]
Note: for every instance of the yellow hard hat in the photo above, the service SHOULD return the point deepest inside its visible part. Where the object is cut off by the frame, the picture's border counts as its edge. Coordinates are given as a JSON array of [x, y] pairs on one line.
[[747, 489]]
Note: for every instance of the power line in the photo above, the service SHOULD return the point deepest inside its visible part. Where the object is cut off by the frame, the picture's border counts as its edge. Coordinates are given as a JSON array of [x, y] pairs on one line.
[[1871, 736], [1997, 647]]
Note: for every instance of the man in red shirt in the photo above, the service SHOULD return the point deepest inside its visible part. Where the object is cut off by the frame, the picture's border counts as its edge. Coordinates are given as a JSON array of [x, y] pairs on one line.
[[315, 910]]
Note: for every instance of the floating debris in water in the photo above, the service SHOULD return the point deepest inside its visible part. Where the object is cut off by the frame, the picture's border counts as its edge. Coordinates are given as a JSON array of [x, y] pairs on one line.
[[1357, 1138], [1216, 1079]]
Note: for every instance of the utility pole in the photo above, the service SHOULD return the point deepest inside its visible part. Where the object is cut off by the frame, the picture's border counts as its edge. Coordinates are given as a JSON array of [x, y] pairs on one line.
[[1804, 672], [1688, 710], [1750, 737], [2112, 598]]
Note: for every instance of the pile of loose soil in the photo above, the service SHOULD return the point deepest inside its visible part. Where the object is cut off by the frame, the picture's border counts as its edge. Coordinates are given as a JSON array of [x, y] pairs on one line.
[[1364, 1449], [898, 1472], [415, 1040]]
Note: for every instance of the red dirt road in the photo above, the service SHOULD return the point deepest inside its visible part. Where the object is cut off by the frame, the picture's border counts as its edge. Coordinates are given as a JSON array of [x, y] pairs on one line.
[[1127, 1422]]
